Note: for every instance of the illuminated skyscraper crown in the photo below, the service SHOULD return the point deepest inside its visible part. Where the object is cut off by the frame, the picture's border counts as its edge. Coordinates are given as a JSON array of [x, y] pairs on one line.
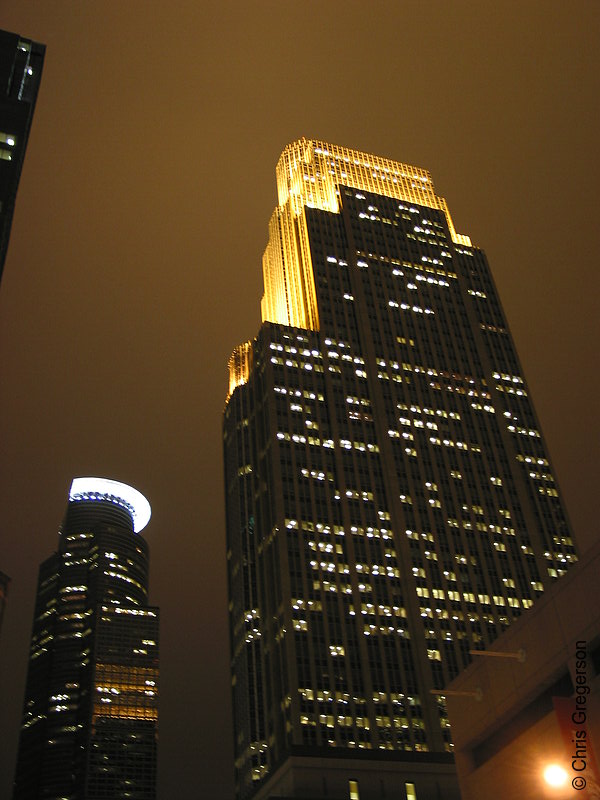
[[309, 173], [115, 492]]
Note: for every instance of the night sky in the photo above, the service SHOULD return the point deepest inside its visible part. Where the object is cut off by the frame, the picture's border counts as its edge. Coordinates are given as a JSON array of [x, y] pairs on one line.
[[134, 265]]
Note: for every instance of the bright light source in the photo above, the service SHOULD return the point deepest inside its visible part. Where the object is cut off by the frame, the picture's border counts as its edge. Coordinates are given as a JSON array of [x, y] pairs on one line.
[[555, 775], [115, 492]]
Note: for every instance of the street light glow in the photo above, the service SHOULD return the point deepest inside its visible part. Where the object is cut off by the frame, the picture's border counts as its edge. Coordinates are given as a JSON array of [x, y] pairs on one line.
[[555, 775]]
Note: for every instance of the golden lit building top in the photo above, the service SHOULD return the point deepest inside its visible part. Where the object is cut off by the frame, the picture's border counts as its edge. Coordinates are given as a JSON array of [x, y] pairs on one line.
[[309, 173]]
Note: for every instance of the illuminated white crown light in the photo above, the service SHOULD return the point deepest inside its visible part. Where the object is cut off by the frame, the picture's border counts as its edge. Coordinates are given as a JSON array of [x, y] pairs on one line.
[[115, 492]]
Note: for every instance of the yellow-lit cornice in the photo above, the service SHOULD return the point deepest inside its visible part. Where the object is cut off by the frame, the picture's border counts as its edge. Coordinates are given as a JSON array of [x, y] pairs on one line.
[[240, 364], [309, 172], [289, 288]]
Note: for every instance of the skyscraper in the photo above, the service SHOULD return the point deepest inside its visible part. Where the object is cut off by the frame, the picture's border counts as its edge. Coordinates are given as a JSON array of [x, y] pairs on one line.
[[90, 714], [21, 62], [390, 500]]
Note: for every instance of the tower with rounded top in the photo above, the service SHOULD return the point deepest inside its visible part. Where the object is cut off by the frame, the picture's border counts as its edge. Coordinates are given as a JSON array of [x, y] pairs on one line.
[[91, 703]]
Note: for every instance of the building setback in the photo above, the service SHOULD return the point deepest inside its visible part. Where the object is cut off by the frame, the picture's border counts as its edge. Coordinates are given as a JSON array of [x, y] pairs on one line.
[[21, 62], [90, 714], [389, 496]]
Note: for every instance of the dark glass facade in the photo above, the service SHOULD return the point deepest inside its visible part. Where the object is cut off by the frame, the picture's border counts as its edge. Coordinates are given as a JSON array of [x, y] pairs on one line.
[[390, 500], [21, 62], [91, 702]]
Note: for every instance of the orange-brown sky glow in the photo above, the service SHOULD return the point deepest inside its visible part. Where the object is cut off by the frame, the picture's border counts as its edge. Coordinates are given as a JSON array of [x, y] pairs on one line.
[[134, 265]]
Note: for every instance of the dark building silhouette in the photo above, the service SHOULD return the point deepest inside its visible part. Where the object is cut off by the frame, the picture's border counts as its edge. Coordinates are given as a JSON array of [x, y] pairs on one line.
[[4, 582], [390, 500], [21, 62], [91, 701]]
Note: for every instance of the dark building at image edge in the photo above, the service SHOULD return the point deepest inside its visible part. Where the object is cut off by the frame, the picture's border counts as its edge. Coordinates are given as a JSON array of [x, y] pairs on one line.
[[390, 500], [90, 716], [21, 62]]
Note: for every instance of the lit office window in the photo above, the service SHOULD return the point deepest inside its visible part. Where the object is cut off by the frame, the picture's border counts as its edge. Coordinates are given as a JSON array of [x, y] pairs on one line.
[[353, 790]]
